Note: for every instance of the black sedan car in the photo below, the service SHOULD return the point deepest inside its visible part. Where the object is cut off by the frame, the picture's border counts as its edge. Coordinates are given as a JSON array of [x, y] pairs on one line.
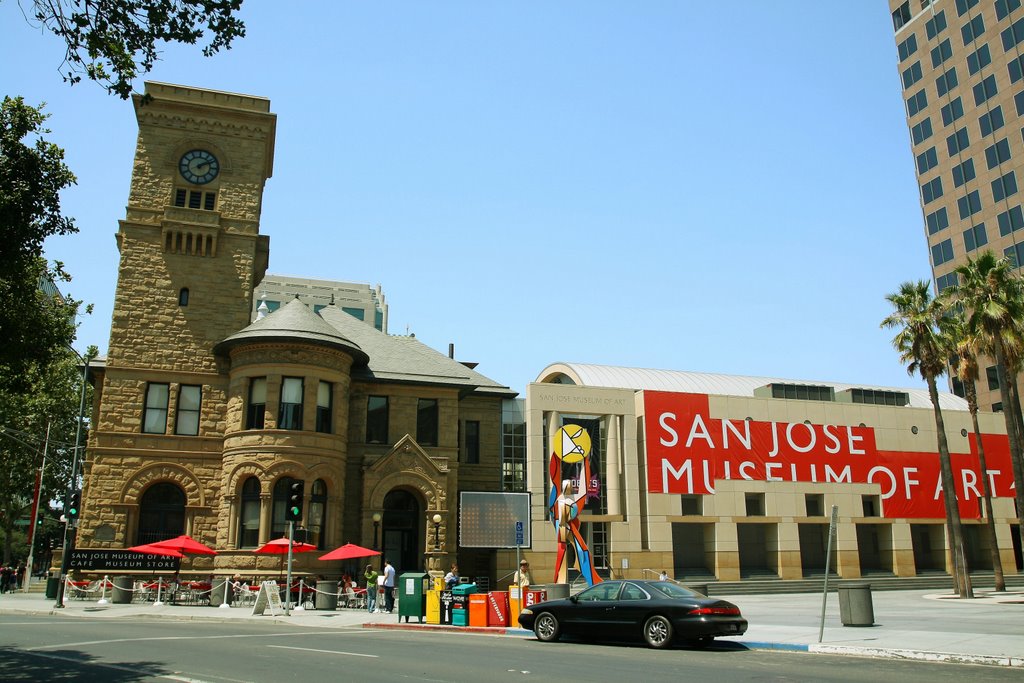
[[659, 611]]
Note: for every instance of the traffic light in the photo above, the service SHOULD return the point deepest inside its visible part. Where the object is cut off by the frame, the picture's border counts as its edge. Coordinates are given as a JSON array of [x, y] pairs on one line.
[[296, 490], [75, 505]]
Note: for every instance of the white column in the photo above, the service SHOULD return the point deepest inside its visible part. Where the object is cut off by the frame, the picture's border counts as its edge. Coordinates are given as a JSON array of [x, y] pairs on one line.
[[612, 466]]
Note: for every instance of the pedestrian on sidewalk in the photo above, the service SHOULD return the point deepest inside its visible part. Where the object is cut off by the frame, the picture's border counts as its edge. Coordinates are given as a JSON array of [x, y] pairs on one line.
[[522, 577], [371, 575], [451, 579], [389, 587]]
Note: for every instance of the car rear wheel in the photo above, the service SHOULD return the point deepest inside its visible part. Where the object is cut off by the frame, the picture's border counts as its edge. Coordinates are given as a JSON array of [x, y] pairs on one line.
[[658, 631], [546, 627]]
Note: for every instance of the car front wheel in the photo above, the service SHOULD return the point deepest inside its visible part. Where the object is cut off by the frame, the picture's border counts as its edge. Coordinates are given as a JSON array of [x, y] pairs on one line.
[[658, 631], [546, 627]]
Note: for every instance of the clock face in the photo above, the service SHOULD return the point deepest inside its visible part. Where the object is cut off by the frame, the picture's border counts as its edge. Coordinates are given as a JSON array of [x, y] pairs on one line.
[[198, 166]]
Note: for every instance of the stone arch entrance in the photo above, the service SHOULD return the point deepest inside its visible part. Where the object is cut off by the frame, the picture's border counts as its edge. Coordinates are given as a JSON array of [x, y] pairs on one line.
[[402, 530]]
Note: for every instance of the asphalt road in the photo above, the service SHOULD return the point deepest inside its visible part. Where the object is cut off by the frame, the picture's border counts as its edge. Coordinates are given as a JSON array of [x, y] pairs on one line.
[[52, 648]]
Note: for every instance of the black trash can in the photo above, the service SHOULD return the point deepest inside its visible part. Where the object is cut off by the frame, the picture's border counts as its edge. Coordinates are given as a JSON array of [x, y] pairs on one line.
[[326, 595], [855, 608], [122, 593], [51, 586]]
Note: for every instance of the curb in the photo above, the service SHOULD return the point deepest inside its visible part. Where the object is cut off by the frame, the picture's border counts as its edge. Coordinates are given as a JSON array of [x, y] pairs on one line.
[[765, 645], [919, 655]]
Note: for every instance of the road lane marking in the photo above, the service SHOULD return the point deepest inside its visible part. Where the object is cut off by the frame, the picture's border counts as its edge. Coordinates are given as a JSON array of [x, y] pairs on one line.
[[158, 638], [329, 652]]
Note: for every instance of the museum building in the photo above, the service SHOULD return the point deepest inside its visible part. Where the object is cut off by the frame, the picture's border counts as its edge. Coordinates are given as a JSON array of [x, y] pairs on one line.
[[204, 416], [719, 477]]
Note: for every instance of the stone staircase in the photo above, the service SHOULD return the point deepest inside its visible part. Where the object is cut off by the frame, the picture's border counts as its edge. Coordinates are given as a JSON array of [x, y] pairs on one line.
[[764, 585]]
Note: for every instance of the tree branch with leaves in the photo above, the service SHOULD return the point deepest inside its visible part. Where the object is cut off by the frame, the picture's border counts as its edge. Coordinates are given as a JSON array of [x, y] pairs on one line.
[[113, 41]]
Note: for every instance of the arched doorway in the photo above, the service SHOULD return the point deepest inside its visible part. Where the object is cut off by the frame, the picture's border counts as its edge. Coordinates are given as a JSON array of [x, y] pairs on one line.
[[161, 513], [403, 526]]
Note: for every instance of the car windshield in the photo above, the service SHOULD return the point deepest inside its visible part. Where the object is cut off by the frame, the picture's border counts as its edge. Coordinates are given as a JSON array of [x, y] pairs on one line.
[[673, 590]]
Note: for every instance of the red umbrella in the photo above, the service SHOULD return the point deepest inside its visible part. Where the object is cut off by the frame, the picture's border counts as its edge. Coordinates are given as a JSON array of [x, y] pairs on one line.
[[349, 551], [279, 546], [153, 549], [186, 544]]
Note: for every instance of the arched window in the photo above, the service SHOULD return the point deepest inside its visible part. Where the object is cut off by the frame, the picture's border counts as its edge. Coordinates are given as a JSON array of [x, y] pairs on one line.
[[278, 524], [161, 513], [317, 516], [183, 297], [249, 514]]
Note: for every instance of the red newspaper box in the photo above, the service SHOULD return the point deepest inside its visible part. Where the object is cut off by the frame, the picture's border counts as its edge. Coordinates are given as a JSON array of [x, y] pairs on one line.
[[532, 597], [497, 608]]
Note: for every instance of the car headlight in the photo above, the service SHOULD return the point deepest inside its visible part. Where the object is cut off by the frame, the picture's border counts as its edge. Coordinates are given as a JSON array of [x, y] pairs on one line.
[[527, 611]]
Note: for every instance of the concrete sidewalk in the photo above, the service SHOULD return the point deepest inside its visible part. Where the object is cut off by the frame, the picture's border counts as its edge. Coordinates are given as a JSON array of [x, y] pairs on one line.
[[908, 624]]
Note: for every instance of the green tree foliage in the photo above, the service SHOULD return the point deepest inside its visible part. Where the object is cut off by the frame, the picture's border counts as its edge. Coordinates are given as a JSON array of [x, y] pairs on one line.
[[51, 400], [112, 41], [992, 298], [965, 367], [922, 340], [35, 321]]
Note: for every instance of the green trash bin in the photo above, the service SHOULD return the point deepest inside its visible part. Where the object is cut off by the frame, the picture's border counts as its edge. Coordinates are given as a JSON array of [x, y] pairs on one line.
[[460, 603], [412, 595]]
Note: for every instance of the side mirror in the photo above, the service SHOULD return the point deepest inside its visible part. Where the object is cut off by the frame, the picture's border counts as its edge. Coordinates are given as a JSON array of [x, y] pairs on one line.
[[574, 599]]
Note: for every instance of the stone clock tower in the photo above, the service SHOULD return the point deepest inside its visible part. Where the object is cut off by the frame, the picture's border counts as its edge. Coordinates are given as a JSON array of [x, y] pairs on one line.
[[190, 257]]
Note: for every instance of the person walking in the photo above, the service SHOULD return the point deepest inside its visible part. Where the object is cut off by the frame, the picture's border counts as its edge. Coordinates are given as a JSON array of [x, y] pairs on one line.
[[371, 575], [389, 587]]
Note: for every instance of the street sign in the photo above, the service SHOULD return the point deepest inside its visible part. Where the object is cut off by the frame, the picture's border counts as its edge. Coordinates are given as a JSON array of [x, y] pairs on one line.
[[519, 532]]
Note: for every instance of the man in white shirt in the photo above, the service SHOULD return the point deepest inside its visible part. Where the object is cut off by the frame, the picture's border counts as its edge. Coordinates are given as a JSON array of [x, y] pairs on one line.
[[389, 587]]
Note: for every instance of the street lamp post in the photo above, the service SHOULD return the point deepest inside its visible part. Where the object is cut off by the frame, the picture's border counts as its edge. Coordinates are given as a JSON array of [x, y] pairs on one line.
[[376, 526], [70, 526], [437, 529]]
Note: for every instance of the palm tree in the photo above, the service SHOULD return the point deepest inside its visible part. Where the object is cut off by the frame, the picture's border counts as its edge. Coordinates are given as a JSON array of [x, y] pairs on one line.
[[919, 320], [965, 365], [993, 299]]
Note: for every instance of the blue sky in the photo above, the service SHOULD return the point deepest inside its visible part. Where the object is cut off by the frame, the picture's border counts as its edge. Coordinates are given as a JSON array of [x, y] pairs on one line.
[[660, 184]]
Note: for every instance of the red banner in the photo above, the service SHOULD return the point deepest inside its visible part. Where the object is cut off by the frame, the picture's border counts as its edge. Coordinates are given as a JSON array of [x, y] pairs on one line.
[[688, 449]]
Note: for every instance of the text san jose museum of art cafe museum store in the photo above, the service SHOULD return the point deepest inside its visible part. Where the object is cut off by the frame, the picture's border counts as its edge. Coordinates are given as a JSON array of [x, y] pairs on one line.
[[727, 477]]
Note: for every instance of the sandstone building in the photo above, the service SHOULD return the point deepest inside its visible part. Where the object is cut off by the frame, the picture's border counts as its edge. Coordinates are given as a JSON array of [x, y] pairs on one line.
[[203, 418]]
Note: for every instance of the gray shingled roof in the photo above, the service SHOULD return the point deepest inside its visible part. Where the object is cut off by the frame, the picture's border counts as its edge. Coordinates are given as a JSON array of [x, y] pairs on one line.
[[406, 359], [294, 322]]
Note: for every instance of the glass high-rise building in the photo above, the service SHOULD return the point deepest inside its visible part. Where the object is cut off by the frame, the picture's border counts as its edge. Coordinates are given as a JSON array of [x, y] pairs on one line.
[[961, 67]]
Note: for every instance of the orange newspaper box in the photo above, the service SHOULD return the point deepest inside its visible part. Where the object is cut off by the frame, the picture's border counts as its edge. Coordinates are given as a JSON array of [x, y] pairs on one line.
[[478, 609], [497, 608], [515, 605]]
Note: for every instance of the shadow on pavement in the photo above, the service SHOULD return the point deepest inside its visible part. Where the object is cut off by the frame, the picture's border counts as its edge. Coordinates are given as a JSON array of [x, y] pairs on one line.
[[71, 665]]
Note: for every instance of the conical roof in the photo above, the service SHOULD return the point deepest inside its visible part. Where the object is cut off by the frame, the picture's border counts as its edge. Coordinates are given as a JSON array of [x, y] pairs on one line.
[[295, 323]]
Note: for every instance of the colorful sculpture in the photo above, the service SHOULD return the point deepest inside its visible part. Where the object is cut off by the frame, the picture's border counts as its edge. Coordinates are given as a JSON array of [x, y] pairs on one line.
[[571, 448]]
